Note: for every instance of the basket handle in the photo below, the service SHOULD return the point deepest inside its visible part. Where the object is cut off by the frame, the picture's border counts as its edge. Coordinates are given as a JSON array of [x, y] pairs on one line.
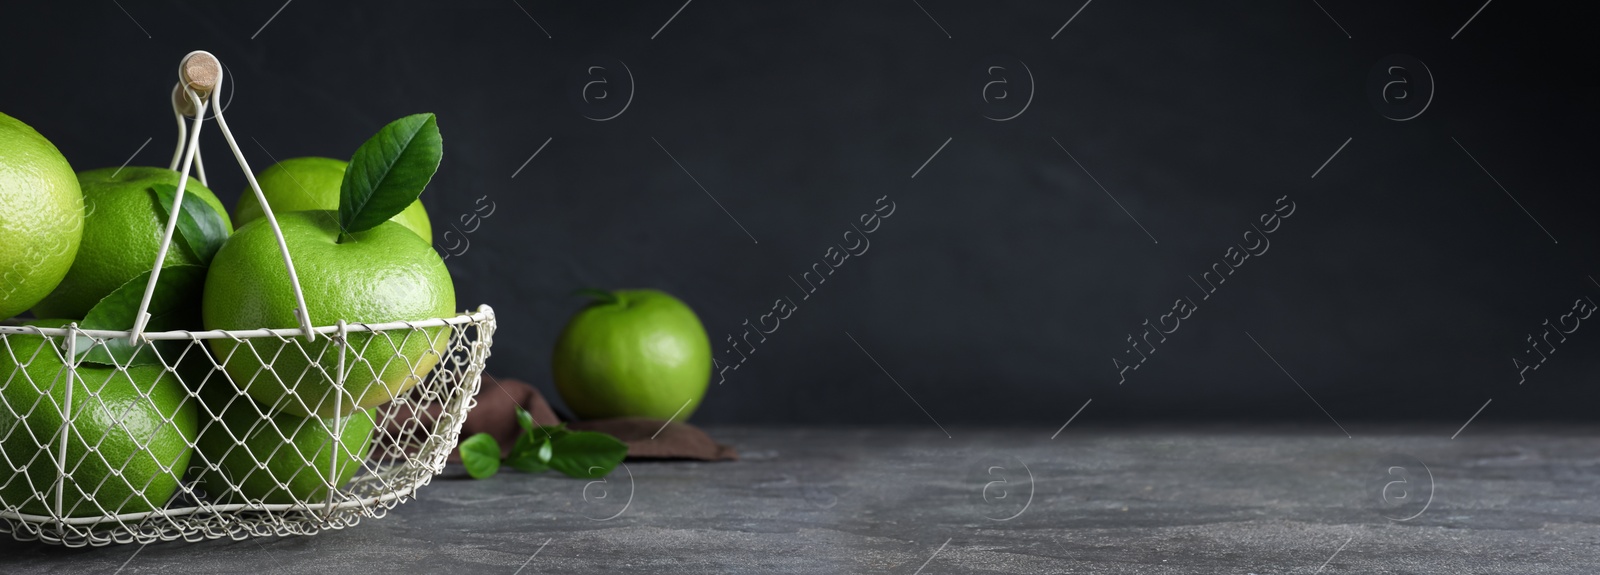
[[200, 78]]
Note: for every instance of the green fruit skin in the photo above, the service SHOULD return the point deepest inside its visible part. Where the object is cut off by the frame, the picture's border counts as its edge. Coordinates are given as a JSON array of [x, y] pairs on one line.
[[246, 454], [311, 183], [379, 275], [147, 439], [41, 216], [644, 356], [121, 235]]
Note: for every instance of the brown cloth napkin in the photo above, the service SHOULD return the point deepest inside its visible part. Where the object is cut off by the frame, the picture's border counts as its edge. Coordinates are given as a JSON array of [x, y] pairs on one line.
[[647, 439], [495, 415]]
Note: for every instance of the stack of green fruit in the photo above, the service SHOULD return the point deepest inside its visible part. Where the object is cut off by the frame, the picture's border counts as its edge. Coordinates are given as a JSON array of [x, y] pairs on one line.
[[136, 419]]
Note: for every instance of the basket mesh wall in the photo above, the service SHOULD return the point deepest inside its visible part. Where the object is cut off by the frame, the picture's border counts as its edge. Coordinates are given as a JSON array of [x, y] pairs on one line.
[[245, 434]]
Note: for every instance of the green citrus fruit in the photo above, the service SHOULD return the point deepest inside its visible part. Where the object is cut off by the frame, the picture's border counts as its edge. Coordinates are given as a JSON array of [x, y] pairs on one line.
[[41, 216], [379, 275], [121, 235], [644, 354], [248, 454], [128, 442], [302, 184]]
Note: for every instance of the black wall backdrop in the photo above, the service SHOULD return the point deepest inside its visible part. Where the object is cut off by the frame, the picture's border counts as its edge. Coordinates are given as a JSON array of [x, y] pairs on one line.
[[1005, 286]]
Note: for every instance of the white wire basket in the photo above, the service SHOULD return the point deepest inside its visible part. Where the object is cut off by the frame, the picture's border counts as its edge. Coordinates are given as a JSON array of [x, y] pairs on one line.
[[168, 447]]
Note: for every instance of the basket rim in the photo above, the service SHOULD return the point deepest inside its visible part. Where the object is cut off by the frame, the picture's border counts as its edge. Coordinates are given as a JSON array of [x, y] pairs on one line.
[[171, 512], [484, 313]]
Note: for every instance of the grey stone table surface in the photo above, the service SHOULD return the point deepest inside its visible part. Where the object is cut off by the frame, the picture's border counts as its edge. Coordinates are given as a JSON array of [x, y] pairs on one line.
[[1091, 500]]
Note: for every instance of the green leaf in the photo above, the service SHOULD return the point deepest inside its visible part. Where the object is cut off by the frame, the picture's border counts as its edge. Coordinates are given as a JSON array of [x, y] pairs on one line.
[[546, 450], [527, 445], [527, 464], [174, 305], [530, 454], [587, 454], [549, 432], [524, 419], [481, 455], [200, 227], [389, 172], [599, 295]]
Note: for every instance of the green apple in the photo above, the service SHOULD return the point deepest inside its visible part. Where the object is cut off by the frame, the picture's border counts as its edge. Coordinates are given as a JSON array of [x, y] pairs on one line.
[[246, 453], [356, 265], [377, 275], [128, 429], [303, 184], [633, 353], [41, 216], [121, 235]]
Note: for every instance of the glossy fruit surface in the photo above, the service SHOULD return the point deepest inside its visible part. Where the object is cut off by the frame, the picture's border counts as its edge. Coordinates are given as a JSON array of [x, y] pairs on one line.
[[128, 440], [311, 183], [380, 275], [41, 216], [247, 454], [645, 354], [122, 232]]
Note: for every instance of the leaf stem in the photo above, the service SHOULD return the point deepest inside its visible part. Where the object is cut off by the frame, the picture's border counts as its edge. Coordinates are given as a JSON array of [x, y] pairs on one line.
[[599, 295]]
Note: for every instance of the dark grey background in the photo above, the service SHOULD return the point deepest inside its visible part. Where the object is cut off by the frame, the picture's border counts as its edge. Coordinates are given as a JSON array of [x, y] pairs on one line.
[[1007, 280]]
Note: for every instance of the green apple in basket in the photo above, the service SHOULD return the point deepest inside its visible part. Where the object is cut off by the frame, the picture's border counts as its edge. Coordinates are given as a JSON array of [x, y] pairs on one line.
[[41, 216], [129, 429], [354, 265], [306, 184], [126, 215], [246, 453], [126, 418], [130, 423]]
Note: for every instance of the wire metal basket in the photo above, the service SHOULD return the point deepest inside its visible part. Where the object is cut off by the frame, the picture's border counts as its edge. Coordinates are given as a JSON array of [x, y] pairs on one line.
[[135, 437]]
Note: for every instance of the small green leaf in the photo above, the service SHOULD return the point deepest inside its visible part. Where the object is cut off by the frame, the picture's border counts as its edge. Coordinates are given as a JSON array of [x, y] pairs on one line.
[[599, 295], [525, 456], [389, 172], [481, 455], [524, 419], [200, 227], [551, 432], [587, 454], [174, 305], [527, 464], [526, 445], [546, 450]]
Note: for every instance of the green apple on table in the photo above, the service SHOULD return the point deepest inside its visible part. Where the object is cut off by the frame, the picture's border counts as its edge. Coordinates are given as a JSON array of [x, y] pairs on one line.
[[313, 184], [633, 353], [356, 265]]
